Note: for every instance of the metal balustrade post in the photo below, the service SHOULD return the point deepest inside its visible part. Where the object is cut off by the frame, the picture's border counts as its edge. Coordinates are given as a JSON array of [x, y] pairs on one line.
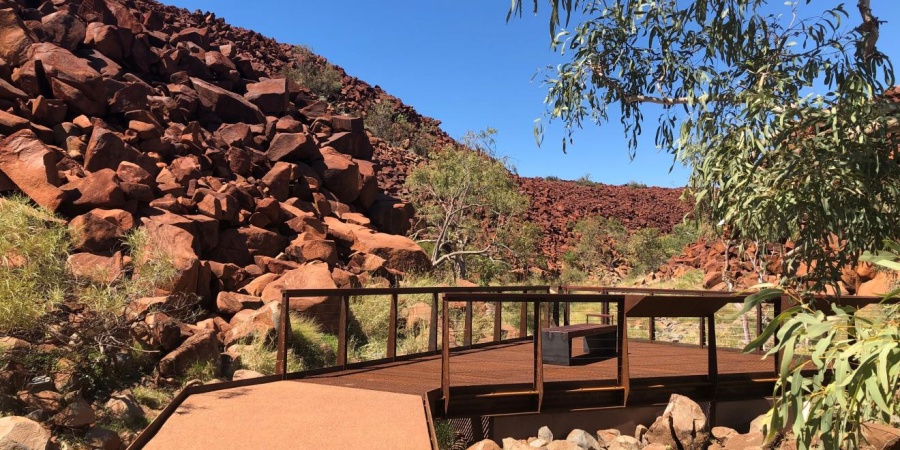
[[779, 303], [702, 332], [342, 332], [467, 331], [713, 356], [759, 326], [284, 331], [523, 319], [538, 355], [392, 328], [433, 323], [445, 354], [498, 321]]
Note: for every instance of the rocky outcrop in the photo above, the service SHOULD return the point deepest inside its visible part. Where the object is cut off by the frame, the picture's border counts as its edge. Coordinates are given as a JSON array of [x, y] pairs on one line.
[[21, 433], [683, 425]]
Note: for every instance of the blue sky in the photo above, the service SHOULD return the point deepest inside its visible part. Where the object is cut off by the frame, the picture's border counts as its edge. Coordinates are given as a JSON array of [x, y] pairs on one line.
[[461, 63]]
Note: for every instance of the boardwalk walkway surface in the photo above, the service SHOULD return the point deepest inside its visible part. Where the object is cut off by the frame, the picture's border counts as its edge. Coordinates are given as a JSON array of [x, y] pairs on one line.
[[293, 415], [511, 364], [382, 406]]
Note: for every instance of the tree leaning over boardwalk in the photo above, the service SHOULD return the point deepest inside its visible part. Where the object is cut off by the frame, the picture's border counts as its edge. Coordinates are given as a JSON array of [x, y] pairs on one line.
[[779, 108]]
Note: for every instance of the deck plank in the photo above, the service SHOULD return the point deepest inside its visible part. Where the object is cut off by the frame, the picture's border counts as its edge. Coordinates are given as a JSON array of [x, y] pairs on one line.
[[511, 364]]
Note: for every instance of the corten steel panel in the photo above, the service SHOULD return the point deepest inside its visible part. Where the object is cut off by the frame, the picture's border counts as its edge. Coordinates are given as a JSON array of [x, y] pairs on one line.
[[675, 306]]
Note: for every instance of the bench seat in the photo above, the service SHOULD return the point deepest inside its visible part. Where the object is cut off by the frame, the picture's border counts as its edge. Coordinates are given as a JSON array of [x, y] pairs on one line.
[[599, 343]]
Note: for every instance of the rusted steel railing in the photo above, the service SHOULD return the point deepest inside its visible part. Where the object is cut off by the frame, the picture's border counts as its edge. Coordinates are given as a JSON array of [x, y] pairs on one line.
[[341, 357], [552, 300], [538, 302]]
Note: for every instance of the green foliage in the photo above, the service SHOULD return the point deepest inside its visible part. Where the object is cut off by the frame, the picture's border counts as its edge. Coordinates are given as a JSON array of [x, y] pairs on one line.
[[585, 180], [778, 107], [635, 185], [153, 398], [443, 430], [595, 252], [315, 73], [460, 193], [202, 370], [151, 260], [603, 244], [551, 178], [644, 250], [33, 251], [309, 348], [854, 355], [384, 121]]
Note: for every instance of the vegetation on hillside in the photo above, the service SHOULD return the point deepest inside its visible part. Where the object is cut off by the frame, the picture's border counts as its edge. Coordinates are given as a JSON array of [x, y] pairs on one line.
[[82, 319], [470, 210], [603, 245], [383, 120], [315, 73]]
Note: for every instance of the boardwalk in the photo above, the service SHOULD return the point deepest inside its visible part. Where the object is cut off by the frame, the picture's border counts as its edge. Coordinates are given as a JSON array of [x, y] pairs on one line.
[[263, 415], [511, 364], [259, 417]]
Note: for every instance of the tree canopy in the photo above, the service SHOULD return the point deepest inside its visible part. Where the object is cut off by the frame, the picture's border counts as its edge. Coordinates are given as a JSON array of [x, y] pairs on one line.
[[779, 108], [470, 206]]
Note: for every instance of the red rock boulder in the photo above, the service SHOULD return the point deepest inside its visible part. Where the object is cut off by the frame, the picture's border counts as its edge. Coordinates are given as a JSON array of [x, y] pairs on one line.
[[325, 310], [28, 163]]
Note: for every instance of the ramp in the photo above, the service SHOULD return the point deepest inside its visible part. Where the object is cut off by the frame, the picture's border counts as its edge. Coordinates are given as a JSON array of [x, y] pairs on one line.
[[296, 415]]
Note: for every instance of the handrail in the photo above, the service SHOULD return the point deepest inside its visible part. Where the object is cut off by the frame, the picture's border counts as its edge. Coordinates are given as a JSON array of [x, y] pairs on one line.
[[283, 322], [537, 300], [542, 295]]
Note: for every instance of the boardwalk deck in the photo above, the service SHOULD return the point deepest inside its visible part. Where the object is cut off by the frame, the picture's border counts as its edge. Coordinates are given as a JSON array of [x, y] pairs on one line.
[[511, 364], [507, 366]]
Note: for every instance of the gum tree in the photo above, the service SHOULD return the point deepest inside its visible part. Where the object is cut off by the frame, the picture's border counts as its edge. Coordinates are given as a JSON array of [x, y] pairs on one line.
[[779, 108], [785, 113], [469, 204]]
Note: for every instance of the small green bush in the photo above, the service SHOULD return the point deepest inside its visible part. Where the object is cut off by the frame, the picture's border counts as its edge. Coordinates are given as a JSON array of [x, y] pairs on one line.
[[151, 397], [585, 180], [151, 261], [644, 250], [384, 121], [33, 250], [316, 74], [635, 185]]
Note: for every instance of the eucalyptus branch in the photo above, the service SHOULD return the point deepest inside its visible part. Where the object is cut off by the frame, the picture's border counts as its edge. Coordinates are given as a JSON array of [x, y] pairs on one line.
[[461, 253]]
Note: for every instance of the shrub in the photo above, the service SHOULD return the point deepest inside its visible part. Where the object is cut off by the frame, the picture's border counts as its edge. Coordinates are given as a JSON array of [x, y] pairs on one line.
[[635, 185], [644, 250], [150, 397], [585, 180], [150, 260], [202, 370], [33, 251], [595, 249], [551, 178], [315, 73], [384, 121]]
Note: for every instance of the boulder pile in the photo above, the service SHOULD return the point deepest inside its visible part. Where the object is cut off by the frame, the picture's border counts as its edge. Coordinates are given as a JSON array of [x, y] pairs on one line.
[[732, 267], [125, 116], [556, 206], [683, 425]]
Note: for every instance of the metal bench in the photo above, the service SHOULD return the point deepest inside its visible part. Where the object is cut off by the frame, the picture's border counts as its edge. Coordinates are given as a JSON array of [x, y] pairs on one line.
[[599, 342]]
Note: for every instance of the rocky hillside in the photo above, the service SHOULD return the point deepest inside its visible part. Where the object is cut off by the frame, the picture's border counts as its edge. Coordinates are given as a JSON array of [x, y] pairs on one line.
[[133, 118], [125, 115], [557, 205]]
